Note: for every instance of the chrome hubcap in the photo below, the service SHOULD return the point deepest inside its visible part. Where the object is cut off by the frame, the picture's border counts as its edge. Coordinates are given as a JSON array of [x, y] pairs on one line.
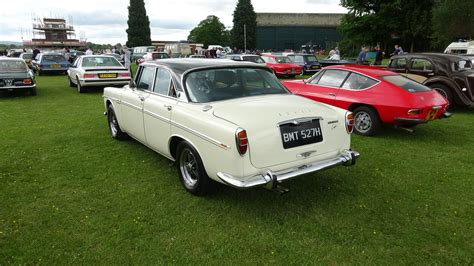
[[188, 167], [113, 125], [363, 123]]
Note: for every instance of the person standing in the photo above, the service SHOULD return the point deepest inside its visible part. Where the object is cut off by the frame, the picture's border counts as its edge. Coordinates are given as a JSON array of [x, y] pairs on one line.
[[36, 51], [396, 51], [127, 59], [89, 51], [378, 56], [362, 55]]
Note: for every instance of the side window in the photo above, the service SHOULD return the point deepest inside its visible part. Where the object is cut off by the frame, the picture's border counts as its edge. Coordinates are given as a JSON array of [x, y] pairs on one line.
[[399, 63], [358, 82], [146, 78], [162, 82], [421, 65], [297, 59], [333, 78]]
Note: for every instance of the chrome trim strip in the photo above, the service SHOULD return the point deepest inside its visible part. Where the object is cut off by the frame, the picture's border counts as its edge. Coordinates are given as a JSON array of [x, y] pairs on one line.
[[138, 108], [346, 158], [202, 136], [300, 120], [164, 119]]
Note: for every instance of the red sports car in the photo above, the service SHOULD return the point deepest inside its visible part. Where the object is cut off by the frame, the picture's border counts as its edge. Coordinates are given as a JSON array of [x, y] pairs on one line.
[[374, 95], [282, 65]]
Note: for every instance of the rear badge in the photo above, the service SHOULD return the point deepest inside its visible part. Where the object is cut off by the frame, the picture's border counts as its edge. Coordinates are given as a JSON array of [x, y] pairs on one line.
[[333, 123]]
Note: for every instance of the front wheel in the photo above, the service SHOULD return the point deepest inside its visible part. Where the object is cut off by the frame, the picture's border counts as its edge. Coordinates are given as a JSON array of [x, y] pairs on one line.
[[367, 122], [191, 170], [70, 83], [114, 126]]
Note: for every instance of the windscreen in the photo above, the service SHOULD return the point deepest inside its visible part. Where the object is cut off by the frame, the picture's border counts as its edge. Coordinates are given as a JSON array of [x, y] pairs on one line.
[[159, 56], [283, 60], [230, 83], [100, 61], [463, 65], [405, 83], [27, 56], [54, 58], [254, 59], [311, 58], [12, 66]]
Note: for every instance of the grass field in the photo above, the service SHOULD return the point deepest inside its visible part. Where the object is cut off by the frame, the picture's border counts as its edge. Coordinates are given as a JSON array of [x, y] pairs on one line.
[[70, 194]]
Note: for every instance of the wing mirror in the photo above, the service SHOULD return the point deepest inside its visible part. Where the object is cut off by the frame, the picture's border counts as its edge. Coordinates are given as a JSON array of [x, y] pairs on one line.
[[132, 85]]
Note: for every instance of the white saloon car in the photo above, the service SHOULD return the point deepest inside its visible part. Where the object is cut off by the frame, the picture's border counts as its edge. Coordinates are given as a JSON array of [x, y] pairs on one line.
[[229, 122], [97, 70]]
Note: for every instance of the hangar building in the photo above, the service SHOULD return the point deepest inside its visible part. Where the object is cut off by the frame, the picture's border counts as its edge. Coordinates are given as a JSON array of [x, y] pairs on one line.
[[280, 31]]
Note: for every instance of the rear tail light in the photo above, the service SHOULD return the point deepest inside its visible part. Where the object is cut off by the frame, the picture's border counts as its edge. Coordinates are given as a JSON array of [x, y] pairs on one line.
[[90, 76], [415, 111], [124, 75], [27, 81], [349, 122], [241, 141]]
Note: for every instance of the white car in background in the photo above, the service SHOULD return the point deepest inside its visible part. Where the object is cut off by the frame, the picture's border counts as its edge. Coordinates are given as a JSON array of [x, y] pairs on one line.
[[98, 71], [228, 122]]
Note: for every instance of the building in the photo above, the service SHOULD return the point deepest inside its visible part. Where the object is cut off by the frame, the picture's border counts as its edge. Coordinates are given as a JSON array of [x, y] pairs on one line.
[[53, 33], [281, 31]]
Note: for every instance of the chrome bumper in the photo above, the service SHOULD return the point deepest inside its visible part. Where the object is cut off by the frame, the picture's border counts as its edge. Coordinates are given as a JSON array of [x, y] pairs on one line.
[[271, 179]]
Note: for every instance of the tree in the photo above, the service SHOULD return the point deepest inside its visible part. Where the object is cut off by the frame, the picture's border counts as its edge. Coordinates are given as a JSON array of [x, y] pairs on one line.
[[452, 19], [244, 14], [210, 31], [138, 31], [387, 21]]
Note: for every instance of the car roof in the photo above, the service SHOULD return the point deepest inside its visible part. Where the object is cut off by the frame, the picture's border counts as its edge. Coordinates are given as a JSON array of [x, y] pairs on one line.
[[434, 56], [275, 55], [301, 54], [363, 69], [181, 65], [98, 55], [4, 58]]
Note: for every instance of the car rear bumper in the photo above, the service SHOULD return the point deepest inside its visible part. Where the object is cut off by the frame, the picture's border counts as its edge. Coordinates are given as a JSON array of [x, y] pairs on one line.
[[271, 179], [104, 82], [412, 122], [13, 88]]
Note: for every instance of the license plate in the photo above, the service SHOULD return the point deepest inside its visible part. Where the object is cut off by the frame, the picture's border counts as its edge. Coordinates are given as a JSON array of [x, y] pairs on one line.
[[314, 67], [431, 115], [294, 135], [107, 75], [55, 66], [9, 82]]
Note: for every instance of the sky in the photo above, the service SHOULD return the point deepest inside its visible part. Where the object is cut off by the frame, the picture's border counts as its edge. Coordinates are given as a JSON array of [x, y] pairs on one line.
[[105, 21]]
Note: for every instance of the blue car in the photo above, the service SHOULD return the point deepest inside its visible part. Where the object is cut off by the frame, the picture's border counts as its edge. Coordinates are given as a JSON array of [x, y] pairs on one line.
[[50, 63], [308, 62]]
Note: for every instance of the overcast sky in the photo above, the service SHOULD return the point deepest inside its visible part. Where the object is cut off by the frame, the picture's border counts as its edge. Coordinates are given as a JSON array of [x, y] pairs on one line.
[[105, 21]]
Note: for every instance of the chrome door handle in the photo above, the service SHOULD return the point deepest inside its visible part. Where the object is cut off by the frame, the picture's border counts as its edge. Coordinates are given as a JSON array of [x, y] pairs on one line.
[[168, 107], [332, 94], [142, 98]]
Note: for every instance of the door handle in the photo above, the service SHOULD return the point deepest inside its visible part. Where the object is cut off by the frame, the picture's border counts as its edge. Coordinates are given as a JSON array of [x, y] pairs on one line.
[[142, 98], [168, 107], [332, 94]]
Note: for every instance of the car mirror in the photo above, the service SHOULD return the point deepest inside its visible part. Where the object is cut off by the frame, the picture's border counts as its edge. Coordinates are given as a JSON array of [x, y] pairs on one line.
[[132, 85]]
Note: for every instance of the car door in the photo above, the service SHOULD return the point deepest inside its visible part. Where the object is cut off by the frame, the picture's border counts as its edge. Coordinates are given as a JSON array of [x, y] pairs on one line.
[[73, 70], [133, 100], [325, 86], [158, 108], [420, 69]]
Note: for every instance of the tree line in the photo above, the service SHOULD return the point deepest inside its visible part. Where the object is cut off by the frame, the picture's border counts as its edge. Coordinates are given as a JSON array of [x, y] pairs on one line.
[[421, 25]]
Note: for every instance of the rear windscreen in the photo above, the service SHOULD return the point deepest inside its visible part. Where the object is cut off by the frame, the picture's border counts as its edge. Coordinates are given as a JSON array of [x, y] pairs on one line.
[[405, 83], [13, 66]]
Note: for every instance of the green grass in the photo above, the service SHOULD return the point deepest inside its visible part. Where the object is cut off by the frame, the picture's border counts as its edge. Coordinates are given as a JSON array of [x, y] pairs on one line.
[[69, 193]]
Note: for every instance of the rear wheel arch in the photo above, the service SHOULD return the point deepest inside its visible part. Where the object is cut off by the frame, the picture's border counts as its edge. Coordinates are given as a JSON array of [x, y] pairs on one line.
[[441, 85]]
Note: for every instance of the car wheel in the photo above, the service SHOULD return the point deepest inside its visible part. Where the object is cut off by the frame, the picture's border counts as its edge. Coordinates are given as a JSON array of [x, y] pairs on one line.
[[33, 92], [191, 170], [80, 88], [114, 126], [69, 82], [291, 76], [367, 122], [444, 91], [40, 73]]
